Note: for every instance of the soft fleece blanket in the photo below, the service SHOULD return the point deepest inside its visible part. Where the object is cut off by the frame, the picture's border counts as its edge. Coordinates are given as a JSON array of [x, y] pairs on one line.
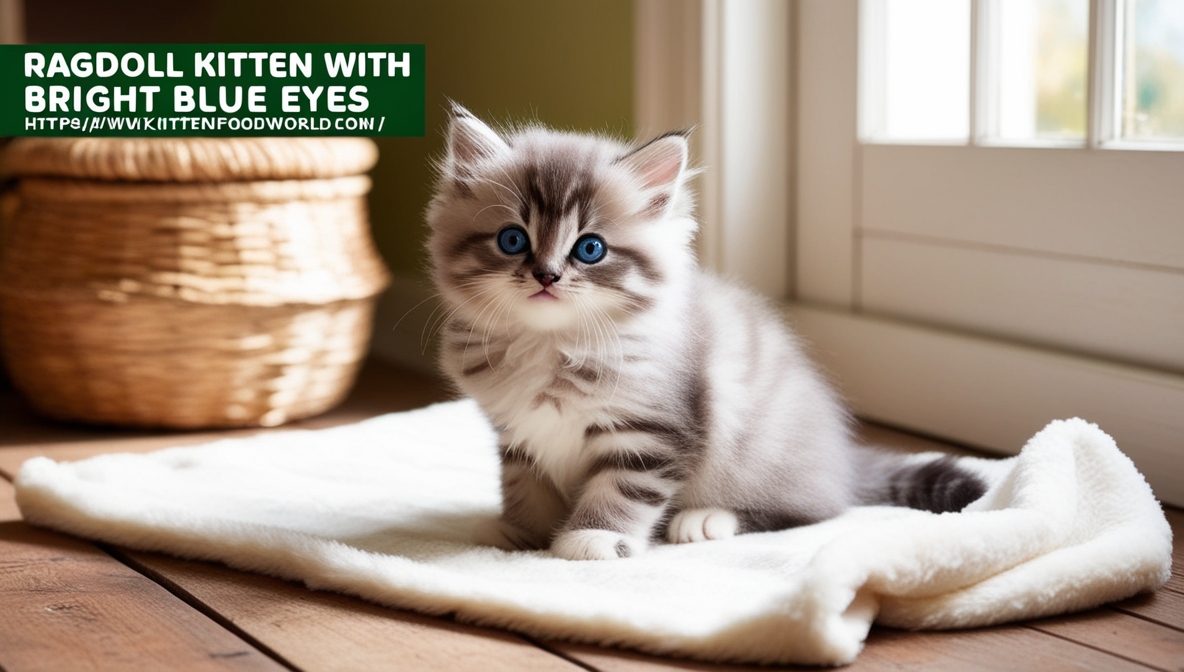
[[384, 509]]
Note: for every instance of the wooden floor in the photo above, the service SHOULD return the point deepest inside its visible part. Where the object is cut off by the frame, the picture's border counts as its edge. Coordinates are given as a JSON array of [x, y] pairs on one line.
[[67, 604]]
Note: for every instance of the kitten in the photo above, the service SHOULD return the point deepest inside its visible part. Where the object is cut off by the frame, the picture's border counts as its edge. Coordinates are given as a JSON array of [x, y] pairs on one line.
[[637, 398]]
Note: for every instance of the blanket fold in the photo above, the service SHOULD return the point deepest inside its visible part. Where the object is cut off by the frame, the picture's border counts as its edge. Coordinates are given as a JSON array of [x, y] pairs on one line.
[[384, 509]]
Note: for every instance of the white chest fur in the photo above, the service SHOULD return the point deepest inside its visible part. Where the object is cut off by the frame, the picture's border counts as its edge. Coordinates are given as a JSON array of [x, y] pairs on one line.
[[541, 405]]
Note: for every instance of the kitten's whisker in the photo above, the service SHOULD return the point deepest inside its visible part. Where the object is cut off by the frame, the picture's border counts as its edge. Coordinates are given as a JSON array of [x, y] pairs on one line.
[[512, 190], [436, 324], [513, 187], [494, 205], [476, 319], [601, 339], [412, 308], [429, 328], [596, 330], [443, 321], [592, 331], [504, 316], [502, 308], [619, 350], [464, 355], [580, 330]]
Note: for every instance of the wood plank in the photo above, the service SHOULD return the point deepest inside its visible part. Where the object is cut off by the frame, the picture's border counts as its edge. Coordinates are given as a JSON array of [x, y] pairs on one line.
[[617, 660], [8, 508], [1165, 607], [1176, 583], [381, 388], [1011, 647], [69, 606], [11, 457], [1176, 520], [1121, 634], [316, 630], [1125, 313], [882, 436]]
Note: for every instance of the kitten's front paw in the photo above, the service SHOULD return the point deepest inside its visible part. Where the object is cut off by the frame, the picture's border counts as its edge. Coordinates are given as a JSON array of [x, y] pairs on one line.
[[498, 533], [595, 545], [702, 525]]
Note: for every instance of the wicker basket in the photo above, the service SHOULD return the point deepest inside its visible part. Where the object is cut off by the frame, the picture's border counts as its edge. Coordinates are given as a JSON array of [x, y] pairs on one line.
[[187, 282]]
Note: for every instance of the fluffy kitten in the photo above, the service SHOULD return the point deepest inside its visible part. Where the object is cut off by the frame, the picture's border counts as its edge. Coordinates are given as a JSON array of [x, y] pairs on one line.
[[637, 398]]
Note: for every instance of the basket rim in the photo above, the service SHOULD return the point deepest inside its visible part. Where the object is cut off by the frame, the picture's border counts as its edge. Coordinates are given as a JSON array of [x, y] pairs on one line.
[[64, 189], [188, 159], [100, 295]]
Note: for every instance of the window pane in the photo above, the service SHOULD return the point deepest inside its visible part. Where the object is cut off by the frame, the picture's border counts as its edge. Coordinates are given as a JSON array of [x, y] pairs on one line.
[[917, 70], [1153, 70], [1039, 58]]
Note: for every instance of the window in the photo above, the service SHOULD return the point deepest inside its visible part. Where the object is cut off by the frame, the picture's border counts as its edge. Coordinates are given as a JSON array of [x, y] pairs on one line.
[[1076, 250], [1149, 35], [915, 71], [989, 230], [981, 230], [1018, 72]]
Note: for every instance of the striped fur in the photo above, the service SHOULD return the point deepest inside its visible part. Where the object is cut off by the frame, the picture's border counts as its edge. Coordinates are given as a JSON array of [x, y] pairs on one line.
[[638, 399]]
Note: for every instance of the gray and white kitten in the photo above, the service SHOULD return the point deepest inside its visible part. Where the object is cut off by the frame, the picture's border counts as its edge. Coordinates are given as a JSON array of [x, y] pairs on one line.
[[637, 398]]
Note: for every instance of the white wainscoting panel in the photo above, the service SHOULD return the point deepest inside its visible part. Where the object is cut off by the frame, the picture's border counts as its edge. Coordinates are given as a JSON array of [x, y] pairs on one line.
[[1128, 313], [1118, 205], [994, 395]]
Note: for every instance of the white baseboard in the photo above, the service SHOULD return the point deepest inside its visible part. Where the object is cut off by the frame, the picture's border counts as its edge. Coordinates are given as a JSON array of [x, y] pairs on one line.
[[995, 395], [977, 391]]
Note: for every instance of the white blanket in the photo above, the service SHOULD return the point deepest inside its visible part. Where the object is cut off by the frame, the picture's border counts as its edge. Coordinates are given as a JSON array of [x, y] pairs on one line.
[[383, 509]]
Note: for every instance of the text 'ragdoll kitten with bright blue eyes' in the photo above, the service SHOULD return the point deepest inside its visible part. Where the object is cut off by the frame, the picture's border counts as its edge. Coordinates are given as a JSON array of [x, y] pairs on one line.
[[638, 399]]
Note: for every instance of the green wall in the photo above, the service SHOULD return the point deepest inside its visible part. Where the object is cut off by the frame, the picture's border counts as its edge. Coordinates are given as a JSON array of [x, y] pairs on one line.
[[566, 63]]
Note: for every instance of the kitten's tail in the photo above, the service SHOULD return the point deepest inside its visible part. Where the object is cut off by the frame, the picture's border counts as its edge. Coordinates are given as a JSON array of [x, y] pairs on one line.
[[930, 482]]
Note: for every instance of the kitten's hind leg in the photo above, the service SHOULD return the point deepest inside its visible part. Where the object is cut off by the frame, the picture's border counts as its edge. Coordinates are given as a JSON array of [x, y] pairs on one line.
[[702, 525], [532, 509]]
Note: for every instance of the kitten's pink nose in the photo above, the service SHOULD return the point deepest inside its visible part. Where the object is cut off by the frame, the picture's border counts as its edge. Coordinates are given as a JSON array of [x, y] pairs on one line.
[[545, 279]]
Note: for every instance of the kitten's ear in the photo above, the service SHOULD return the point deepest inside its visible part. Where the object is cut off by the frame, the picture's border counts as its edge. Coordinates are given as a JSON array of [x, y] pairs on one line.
[[470, 141], [660, 162]]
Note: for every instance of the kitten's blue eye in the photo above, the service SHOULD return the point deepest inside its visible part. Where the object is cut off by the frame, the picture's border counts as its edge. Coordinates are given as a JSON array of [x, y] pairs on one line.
[[512, 240], [590, 249]]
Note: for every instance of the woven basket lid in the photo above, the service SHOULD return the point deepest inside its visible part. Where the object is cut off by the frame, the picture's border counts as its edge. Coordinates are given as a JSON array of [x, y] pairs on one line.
[[188, 159]]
